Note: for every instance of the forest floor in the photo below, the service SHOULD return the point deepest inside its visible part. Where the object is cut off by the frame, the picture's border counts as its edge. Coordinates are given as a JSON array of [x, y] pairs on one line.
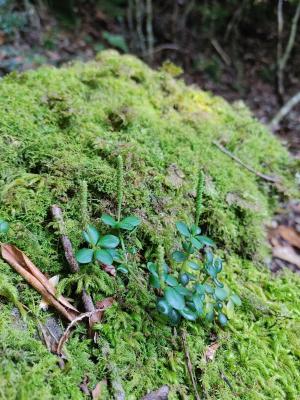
[[51, 41]]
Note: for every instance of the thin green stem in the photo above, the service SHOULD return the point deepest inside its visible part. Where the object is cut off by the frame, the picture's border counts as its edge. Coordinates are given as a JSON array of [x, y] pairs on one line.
[[160, 262], [84, 204], [120, 178], [199, 197], [123, 247]]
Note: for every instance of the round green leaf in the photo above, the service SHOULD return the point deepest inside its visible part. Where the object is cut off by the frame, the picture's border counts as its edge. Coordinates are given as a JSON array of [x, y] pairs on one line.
[[108, 220], [109, 241], [195, 230], [222, 319], [170, 280], [4, 226], [174, 317], [212, 272], [183, 228], [188, 314], [198, 245], [221, 293], [198, 303], [91, 235], [84, 256], [129, 223], [200, 289], [163, 306], [182, 290], [175, 299], [236, 299], [122, 268], [193, 265], [116, 255], [152, 268], [154, 281], [208, 288], [218, 264], [104, 257], [184, 279], [188, 247], [209, 316], [205, 240], [218, 283], [179, 256], [209, 257]]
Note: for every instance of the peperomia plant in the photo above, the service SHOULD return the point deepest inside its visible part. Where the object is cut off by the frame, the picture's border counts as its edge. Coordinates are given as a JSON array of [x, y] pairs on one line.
[[4, 227], [194, 290], [103, 249]]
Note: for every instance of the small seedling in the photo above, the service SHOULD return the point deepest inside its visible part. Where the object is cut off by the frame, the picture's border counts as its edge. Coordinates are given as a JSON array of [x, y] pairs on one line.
[[104, 248], [194, 291], [4, 227]]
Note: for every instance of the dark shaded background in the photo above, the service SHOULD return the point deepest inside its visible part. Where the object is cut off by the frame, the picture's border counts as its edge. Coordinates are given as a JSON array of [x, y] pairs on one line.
[[226, 46]]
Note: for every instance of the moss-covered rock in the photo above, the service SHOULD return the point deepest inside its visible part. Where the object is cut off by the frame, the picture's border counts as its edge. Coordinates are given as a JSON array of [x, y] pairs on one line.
[[59, 126]]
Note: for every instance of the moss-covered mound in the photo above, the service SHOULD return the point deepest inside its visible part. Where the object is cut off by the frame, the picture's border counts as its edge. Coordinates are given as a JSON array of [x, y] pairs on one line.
[[59, 126]]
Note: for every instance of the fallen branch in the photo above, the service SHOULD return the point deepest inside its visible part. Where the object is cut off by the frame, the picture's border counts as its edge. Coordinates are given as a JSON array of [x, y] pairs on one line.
[[225, 58], [75, 321], [67, 245], [69, 254], [159, 394], [282, 60], [189, 364], [24, 266], [95, 315], [268, 178], [291, 103]]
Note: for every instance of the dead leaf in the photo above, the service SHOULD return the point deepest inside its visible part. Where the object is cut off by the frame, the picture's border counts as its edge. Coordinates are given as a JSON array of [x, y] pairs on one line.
[[98, 312], [84, 386], [287, 253], [175, 177], [211, 351], [96, 392], [290, 235], [101, 306], [44, 303], [24, 266], [110, 269]]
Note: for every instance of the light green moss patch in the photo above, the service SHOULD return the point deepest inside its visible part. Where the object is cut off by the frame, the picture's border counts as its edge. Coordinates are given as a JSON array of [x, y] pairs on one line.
[[58, 126]]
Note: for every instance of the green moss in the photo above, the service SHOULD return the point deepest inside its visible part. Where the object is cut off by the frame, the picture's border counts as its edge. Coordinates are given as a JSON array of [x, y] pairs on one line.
[[61, 126]]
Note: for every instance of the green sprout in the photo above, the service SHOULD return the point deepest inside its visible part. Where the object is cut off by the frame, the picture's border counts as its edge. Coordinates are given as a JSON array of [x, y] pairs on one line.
[[4, 227]]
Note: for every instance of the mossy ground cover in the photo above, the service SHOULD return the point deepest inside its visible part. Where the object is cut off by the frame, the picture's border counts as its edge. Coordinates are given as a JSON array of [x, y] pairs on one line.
[[59, 126]]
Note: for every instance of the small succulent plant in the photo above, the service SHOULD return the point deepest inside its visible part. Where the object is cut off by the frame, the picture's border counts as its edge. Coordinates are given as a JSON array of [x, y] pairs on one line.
[[4, 227], [104, 248], [194, 290]]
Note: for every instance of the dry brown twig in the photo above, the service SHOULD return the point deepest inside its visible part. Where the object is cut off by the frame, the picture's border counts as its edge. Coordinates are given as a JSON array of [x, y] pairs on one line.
[[268, 178], [282, 59], [69, 253], [189, 364], [285, 109]]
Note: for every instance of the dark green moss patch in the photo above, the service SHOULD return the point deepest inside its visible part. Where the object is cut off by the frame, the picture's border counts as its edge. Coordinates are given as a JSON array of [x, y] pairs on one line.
[[58, 126]]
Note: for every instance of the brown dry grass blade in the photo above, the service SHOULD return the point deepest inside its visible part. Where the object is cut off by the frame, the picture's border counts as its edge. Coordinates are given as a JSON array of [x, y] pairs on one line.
[[93, 316], [110, 269], [211, 351], [24, 266]]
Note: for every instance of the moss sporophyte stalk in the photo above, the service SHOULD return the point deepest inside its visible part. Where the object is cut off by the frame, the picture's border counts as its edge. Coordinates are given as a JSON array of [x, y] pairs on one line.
[[61, 127]]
